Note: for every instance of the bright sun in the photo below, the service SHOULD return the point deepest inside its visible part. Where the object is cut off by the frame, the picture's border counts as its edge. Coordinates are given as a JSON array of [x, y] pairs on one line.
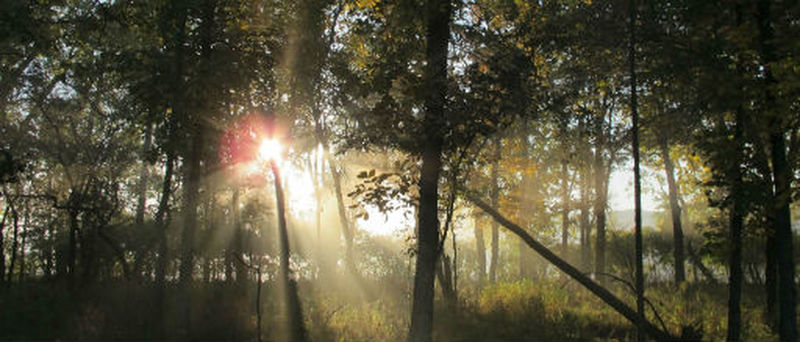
[[270, 149]]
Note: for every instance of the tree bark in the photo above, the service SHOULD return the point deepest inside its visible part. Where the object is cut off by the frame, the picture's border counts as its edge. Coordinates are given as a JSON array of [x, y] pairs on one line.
[[586, 248], [296, 325], [637, 185], [14, 242], [787, 297], [437, 35], [601, 199], [736, 227], [347, 230], [771, 274], [598, 290], [495, 196], [26, 217], [162, 224], [782, 179], [2, 246], [675, 210], [480, 247], [141, 200], [144, 174], [564, 204]]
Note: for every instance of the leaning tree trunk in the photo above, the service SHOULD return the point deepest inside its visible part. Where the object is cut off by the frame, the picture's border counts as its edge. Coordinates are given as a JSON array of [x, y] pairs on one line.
[[437, 35], [675, 209], [598, 290]]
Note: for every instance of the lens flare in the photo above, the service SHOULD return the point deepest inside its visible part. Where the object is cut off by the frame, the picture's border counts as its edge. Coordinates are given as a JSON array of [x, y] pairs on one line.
[[270, 149]]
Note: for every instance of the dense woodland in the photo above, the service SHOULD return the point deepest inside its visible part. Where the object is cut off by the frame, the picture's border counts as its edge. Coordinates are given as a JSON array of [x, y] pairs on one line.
[[380, 170]]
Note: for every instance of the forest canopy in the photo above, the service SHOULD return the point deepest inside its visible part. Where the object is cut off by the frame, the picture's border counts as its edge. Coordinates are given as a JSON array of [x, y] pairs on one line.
[[556, 170]]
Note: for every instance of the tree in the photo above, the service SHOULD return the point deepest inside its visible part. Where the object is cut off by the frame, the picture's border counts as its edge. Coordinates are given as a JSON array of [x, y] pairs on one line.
[[437, 35]]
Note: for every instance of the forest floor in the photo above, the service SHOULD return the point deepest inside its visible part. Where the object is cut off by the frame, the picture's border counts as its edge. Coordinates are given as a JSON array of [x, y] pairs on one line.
[[551, 310]]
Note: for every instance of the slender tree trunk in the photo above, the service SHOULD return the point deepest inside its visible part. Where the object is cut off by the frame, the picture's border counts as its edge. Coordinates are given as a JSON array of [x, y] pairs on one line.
[[347, 229], [601, 200], [144, 174], [675, 209], [24, 235], [437, 35], [637, 186], [48, 252], [564, 205], [162, 259], [445, 275], [586, 250], [141, 201], [480, 247], [296, 325], [526, 206], [2, 245], [258, 302], [14, 244], [736, 227], [73, 246], [237, 243], [495, 193]]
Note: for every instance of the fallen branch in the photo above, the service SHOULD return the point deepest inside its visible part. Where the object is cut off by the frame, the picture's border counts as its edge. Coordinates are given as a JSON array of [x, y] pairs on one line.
[[599, 291]]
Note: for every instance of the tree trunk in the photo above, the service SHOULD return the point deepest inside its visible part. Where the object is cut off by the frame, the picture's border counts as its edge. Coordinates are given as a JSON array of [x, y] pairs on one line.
[[787, 298], [495, 195], [564, 203], [598, 290], [347, 230], [144, 174], [480, 247], [237, 243], [437, 35], [771, 275], [782, 175], [162, 224], [601, 200], [14, 243], [141, 201], [736, 227], [637, 185], [296, 325], [445, 275], [586, 249], [675, 209], [2, 246], [73, 246], [24, 235]]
